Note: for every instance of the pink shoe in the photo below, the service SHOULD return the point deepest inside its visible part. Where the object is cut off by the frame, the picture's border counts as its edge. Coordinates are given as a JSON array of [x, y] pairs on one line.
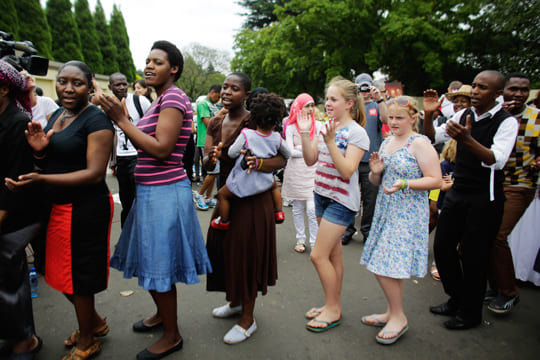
[[218, 224]]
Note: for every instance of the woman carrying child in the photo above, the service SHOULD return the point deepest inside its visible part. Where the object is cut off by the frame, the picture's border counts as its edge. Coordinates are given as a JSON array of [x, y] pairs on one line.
[[244, 257], [406, 166], [338, 150]]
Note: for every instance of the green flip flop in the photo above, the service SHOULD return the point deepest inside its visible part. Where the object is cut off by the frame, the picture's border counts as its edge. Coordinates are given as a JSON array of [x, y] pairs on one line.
[[315, 310], [328, 326]]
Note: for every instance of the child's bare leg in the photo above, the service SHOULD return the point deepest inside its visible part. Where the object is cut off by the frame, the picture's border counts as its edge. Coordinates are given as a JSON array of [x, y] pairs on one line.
[[224, 196], [276, 197]]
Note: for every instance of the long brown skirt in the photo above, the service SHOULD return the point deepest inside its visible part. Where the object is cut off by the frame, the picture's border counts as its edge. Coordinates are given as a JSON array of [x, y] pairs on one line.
[[244, 257]]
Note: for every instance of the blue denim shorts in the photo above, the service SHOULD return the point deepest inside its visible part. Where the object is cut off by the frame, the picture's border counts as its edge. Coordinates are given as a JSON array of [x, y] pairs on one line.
[[332, 211]]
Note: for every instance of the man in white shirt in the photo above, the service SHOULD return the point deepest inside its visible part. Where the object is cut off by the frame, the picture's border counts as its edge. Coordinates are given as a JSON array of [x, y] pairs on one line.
[[472, 210], [126, 154], [42, 106]]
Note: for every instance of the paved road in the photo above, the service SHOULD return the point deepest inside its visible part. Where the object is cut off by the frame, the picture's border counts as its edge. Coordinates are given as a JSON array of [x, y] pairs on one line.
[[279, 315]]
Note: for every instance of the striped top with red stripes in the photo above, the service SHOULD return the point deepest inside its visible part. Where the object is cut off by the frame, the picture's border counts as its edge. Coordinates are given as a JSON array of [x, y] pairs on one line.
[[328, 181], [149, 170]]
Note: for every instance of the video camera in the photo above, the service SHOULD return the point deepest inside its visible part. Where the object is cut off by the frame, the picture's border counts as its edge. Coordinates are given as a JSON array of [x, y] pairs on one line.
[[29, 61]]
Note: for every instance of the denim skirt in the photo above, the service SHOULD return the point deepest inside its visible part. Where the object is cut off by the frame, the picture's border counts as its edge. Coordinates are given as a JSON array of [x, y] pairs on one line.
[[161, 242]]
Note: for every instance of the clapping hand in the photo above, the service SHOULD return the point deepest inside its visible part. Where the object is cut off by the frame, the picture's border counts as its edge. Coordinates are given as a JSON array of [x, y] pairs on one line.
[[117, 111], [303, 120], [376, 164], [330, 131], [23, 181], [447, 182], [431, 101], [396, 186], [36, 138], [457, 131]]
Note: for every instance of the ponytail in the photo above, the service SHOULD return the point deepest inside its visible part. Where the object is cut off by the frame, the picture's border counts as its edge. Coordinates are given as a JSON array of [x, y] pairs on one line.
[[350, 91]]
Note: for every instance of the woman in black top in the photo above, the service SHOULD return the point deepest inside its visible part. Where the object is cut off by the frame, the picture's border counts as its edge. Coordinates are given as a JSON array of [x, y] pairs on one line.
[[73, 151], [17, 324]]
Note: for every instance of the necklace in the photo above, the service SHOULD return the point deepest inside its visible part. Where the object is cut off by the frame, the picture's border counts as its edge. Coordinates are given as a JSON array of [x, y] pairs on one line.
[[67, 114]]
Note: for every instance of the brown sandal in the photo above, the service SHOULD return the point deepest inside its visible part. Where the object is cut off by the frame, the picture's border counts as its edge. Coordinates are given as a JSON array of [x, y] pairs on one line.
[[73, 339], [78, 354]]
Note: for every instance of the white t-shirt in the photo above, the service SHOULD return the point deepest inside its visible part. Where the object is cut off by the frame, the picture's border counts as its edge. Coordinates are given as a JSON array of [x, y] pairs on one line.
[[328, 181], [124, 147], [447, 107], [44, 107]]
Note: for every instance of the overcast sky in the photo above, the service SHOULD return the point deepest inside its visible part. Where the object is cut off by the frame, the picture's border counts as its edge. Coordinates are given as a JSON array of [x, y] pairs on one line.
[[212, 23]]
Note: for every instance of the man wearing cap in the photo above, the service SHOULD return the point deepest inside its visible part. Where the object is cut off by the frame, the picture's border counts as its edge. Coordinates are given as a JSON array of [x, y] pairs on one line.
[[473, 208], [376, 116], [520, 185]]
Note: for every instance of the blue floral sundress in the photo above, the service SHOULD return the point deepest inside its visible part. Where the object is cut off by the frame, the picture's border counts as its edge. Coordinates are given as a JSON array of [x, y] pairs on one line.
[[397, 246]]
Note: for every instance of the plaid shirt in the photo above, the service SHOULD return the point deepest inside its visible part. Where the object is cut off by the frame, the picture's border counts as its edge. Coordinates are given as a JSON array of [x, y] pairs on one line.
[[518, 171]]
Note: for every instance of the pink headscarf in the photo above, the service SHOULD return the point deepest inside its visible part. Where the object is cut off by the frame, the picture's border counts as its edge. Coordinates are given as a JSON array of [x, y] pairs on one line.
[[17, 86], [298, 104]]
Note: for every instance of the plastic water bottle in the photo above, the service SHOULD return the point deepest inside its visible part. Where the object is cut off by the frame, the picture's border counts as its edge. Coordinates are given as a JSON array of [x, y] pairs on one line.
[[33, 282]]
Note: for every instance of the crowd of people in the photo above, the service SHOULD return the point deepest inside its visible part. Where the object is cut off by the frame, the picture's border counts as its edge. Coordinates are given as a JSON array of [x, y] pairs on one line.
[[375, 156]]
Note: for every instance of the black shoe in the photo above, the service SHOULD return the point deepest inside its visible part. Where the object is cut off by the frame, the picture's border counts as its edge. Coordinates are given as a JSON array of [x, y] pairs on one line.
[[443, 309], [147, 355], [489, 296], [29, 355], [140, 327], [503, 304], [347, 235], [459, 323]]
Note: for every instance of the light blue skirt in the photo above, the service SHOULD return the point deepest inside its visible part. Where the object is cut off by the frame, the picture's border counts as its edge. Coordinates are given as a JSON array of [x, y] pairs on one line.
[[161, 242]]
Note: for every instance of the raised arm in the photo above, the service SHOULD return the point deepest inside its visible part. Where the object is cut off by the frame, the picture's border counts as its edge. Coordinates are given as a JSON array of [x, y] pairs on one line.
[[289, 139], [310, 151], [431, 104]]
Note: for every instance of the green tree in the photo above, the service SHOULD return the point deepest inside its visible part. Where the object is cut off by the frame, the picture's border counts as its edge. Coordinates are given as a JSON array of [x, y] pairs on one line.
[[89, 39], [66, 42], [121, 41], [505, 36], [301, 52], [8, 18], [108, 51], [33, 26], [203, 67], [260, 13]]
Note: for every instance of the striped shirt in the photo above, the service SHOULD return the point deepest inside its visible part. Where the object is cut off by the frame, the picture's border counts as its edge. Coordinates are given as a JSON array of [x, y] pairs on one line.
[[149, 170], [328, 181]]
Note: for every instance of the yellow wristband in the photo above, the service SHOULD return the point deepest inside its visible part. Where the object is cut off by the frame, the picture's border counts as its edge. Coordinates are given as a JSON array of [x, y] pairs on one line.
[[260, 164]]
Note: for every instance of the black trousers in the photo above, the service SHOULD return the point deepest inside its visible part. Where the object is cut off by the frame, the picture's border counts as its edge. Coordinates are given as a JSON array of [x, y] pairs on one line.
[[369, 197], [125, 170], [472, 221]]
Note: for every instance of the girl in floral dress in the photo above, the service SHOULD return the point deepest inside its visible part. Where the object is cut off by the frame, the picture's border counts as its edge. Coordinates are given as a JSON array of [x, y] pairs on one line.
[[407, 167]]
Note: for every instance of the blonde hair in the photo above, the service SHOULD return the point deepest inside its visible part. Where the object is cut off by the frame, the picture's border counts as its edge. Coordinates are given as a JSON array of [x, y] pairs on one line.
[[411, 108], [349, 91], [449, 150]]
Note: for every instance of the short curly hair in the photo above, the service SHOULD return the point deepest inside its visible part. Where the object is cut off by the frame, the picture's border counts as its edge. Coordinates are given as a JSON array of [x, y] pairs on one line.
[[267, 110]]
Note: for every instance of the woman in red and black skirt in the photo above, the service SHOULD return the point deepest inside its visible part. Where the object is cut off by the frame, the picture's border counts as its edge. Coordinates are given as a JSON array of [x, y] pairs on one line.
[[73, 151]]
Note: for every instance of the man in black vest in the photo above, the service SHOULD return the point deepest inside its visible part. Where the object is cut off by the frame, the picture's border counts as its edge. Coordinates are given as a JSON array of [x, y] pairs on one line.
[[472, 210]]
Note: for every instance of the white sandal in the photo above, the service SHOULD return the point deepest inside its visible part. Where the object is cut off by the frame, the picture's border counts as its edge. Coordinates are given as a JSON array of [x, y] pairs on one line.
[[238, 334], [226, 311]]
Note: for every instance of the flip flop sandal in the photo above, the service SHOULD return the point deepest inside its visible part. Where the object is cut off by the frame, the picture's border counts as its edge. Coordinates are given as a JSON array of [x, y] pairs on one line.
[[393, 339], [73, 339], [78, 354], [316, 311], [435, 273], [329, 325], [300, 248], [371, 320]]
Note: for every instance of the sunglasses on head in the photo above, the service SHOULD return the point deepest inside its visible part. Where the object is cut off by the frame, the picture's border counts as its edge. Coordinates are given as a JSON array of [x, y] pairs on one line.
[[402, 101]]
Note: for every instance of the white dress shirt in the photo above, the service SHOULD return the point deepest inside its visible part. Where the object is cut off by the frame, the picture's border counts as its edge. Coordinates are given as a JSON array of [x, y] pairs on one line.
[[503, 141]]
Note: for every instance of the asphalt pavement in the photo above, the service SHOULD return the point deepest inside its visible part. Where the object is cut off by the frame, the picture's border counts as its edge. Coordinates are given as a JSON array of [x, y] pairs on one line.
[[280, 316]]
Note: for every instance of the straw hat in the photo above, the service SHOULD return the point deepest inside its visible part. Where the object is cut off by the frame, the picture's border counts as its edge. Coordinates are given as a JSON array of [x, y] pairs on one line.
[[464, 90]]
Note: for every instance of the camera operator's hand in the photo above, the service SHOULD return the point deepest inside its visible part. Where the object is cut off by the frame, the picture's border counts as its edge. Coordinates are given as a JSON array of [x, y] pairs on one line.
[[36, 138], [117, 111]]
